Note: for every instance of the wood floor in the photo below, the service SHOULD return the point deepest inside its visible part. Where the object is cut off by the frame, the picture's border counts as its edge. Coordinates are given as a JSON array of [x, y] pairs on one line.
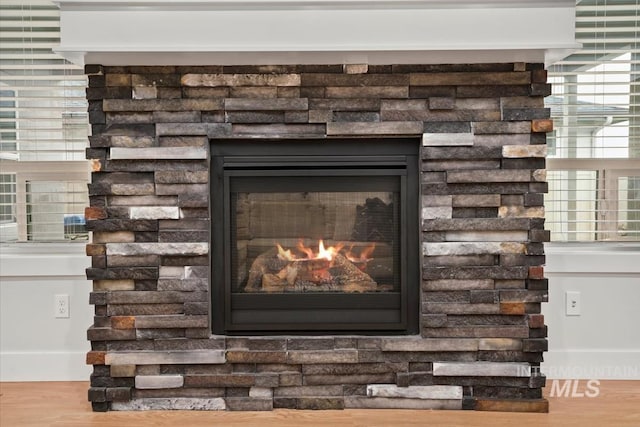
[[65, 404]]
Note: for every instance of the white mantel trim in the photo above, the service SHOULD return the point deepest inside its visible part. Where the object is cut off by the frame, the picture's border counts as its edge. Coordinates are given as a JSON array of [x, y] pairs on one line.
[[227, 32], [147, 57]]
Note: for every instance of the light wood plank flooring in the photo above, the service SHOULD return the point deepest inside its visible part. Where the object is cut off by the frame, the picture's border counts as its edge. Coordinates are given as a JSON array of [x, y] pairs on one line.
[[65, 404]]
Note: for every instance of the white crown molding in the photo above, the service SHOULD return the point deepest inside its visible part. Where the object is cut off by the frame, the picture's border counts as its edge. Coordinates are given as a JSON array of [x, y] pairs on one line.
[[147, 57]]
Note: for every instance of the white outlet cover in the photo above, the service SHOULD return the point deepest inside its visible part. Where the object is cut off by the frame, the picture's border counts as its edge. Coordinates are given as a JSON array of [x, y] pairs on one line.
[[573, 303], [61, 306]]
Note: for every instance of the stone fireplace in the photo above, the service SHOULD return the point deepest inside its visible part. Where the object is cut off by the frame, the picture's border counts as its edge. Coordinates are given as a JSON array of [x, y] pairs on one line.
[[317, 204], [204, 175]]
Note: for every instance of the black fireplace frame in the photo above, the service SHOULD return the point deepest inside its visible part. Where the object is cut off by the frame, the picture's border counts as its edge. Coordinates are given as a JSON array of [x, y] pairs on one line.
[[365, 160]]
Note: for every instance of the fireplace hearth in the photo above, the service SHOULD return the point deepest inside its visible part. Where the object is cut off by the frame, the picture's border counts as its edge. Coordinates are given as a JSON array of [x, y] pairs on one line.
[[318, 236]]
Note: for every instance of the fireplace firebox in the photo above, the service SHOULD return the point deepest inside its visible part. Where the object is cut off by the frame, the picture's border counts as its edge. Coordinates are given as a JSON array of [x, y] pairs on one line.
[[315, 236]]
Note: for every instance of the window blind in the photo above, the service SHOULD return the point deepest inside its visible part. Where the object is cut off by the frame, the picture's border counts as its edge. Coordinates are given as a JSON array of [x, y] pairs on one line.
[[43, 125], [594, 152]]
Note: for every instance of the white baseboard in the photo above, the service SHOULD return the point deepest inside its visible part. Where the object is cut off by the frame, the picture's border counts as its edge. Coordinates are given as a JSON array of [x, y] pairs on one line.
[[592, 364], [46, 366]]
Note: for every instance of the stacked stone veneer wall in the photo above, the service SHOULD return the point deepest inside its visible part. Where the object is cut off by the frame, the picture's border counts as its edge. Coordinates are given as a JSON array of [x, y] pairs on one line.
[[482, 130]]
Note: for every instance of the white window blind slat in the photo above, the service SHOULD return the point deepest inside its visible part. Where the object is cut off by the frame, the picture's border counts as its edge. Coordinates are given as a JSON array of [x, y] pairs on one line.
[[7, 55], [35, 66], [31, 27], [16, 13]]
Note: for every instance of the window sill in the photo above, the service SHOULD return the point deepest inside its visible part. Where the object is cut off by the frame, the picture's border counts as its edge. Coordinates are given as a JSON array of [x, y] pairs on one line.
[[43, 259], [606, 258]]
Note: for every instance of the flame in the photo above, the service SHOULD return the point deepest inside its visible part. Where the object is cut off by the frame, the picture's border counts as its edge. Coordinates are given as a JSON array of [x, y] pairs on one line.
[[365, 254], [330, 253], [285, 255], [305, 250], [361, 260], [325, 253]]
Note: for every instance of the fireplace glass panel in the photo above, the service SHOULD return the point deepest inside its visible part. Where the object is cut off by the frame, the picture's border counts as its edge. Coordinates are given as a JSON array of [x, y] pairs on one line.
[[320, 241]]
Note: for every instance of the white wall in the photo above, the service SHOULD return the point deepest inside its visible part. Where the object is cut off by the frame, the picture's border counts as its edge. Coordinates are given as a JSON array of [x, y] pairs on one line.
[[34, 345], [604, 341]]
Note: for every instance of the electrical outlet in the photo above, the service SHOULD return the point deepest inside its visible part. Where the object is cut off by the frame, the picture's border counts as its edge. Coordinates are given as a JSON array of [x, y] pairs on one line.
[[61, 306], [573, 304]]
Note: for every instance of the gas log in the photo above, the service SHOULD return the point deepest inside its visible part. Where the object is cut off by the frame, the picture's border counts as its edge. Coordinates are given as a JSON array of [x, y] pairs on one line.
[[271, 273]]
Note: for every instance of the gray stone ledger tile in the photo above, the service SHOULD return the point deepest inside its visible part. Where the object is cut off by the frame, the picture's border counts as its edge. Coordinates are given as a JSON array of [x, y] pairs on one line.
[[415, 392], [194, 357], [380, 128], [158, 153], [159, 381], [521, 151], [481, 369], [444, 139], [471, 248], [177, 403], [154, 212], [432, 345], [181, 249]]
